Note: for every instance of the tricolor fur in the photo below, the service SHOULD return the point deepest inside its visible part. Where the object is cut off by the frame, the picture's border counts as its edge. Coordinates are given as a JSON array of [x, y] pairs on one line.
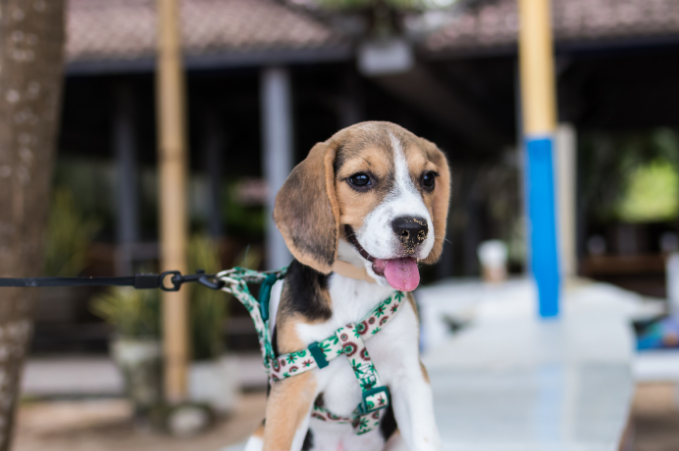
[[326, 213]]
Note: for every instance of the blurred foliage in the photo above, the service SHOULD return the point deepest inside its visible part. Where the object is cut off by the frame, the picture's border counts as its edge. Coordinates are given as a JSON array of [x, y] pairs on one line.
[[69, 234], [250, 257], [92, 184], [133, 313], [652, 194], [241, 219], [208, 308], [611, 168]]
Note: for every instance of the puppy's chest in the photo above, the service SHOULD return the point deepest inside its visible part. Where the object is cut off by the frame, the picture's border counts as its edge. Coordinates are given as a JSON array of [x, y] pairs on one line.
[[351, 301]]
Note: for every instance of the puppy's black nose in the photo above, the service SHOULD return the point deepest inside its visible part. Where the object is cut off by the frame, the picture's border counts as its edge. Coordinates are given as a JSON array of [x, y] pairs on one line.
[[411, 231]]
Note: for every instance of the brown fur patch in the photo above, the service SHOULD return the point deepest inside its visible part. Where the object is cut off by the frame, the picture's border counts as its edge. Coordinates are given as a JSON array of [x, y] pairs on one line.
[[259, 432], [413, 304], [441, 199], [289, 402], [306, 210], [286, 332]]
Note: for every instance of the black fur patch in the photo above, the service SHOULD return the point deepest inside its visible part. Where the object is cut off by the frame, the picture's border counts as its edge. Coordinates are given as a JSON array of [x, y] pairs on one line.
[[320, 400], [308, 441], [302, 292], [388, 423], [274, 341]]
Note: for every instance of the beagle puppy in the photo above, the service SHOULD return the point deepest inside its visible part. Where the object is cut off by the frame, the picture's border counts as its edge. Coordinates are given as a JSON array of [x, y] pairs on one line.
[[358, 214]]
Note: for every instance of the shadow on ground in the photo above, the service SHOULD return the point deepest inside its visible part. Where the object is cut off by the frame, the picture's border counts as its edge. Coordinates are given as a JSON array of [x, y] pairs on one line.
[[105, 425], [656, 418]]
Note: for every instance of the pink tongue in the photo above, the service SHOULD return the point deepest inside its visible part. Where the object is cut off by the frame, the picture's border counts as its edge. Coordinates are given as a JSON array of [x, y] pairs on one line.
[[402, 273]]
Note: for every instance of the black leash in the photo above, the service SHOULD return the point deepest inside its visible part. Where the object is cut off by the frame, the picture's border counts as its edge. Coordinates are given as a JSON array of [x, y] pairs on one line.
[[139, 281]]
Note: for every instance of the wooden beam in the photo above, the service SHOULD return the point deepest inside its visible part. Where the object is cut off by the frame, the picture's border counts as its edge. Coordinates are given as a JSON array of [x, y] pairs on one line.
[[173, 213]]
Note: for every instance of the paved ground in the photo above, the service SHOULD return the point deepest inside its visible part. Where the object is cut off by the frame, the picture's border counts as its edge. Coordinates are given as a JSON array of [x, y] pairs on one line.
[[656, 418], [69, 376], [84, 423], [104, 425]]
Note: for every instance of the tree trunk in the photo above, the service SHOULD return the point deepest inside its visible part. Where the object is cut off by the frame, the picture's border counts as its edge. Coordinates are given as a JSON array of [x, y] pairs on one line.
[[31, 60]]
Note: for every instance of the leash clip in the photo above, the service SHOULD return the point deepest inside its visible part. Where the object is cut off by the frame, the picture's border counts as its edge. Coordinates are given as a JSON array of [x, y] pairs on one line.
[[178, 279]]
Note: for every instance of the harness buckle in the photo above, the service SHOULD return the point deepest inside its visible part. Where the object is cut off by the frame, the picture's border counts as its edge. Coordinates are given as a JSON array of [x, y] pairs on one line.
[[373, 400]]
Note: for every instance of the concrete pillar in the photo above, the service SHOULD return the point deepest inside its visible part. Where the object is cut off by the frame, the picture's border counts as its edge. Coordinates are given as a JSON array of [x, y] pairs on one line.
[[278, 155], [565, 169], [125, 149]]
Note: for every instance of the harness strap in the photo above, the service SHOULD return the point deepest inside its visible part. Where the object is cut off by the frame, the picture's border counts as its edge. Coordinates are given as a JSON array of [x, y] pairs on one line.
[[299, 362], [374, 396], [349, 340]]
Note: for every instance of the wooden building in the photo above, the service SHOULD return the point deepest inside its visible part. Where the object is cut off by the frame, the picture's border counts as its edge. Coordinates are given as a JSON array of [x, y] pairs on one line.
[[267, 79]]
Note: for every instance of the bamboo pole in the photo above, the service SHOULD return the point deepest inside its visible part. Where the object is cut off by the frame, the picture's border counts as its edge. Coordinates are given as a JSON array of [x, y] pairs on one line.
[[537, 67], [172, 159], [538, 101]]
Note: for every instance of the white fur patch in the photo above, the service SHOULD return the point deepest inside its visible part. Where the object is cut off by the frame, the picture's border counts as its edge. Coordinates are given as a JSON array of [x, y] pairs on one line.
[[254, 444], [395, 352], [376, 235]]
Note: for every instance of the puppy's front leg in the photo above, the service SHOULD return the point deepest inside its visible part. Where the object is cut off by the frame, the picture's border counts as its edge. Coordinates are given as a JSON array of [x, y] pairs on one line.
[[414, 409], [287, 412]]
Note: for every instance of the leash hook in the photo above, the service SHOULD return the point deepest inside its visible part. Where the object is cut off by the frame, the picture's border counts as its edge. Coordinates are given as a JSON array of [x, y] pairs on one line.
[[177, 280], [206, 282]]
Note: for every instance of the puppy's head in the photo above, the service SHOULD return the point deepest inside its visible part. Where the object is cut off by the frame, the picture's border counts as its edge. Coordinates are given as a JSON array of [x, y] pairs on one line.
[[374, 194]]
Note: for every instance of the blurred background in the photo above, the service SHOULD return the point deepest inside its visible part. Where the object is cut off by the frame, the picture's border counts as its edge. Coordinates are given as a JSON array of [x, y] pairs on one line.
[[273, 77]]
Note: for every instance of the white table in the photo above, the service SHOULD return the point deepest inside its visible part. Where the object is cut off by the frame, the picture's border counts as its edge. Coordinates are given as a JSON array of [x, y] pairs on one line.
[[512, 382]]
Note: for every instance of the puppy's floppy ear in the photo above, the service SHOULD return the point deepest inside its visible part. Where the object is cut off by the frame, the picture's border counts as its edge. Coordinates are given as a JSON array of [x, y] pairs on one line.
[[441, 200], [307, 212]]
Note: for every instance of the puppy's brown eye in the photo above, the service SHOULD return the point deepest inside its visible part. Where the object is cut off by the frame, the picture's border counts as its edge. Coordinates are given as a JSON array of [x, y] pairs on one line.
[[360, 180], [429, 180]]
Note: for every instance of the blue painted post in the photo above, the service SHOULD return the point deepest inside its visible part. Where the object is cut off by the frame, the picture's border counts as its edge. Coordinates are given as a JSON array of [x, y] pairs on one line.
[[539, 125], [542, 217]]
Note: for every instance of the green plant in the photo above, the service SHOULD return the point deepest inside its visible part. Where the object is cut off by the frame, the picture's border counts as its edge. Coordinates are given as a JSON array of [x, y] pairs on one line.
[[651, 194], [69, 234], [241, 219], [626, 159], [134, 313], [208, 308]]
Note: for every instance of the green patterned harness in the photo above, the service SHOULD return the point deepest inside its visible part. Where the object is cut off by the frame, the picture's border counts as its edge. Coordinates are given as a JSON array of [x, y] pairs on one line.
[[348, 340]]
